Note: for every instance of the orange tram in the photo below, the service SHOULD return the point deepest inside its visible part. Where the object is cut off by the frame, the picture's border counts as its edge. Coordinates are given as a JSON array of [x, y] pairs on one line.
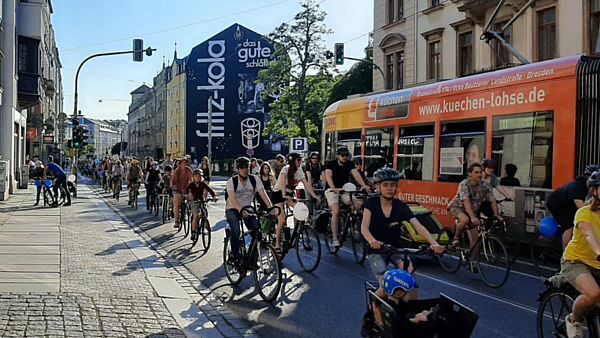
[[544, 118]]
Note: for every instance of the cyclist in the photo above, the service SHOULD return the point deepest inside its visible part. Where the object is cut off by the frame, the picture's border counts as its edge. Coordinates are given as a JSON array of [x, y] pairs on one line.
[[342, 168], [268, 180], [564, 202], [382, 224], [581, 259], [288, 179], [195, 192], [488, 176], [61, 177], [465, 206], [117, 174], [314, 170], [165, 182], [38, 174], [133, 177], [151, 181], [278, 164], [180, 179], [240, 193]]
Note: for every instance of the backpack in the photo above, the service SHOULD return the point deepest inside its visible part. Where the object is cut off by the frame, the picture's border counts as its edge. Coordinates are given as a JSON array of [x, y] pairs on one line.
[[236, 179]]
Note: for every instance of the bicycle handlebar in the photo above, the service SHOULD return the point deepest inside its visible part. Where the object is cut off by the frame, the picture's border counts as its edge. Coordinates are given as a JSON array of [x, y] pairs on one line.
[[405, 251], [250, 210]]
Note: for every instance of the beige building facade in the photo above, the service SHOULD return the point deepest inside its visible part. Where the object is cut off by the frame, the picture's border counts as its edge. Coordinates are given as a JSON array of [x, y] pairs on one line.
[[176, 80], [422, 41]]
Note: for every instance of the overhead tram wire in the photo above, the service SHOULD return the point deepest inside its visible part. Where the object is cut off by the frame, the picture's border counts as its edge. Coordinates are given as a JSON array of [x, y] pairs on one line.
[[180, 26]]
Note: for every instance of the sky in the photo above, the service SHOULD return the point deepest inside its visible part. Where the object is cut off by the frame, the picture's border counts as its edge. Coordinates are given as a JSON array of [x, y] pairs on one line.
[[86, 27]]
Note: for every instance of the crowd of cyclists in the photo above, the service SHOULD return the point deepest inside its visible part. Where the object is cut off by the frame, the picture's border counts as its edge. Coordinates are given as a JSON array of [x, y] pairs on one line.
[[576, 207]]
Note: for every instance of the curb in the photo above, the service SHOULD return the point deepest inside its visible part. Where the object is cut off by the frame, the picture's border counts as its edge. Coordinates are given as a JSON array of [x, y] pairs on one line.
[[211, 312]]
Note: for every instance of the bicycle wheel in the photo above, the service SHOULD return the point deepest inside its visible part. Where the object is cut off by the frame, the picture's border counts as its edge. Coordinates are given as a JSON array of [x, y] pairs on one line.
[[205, 232], [359, 246], [555, 305], [308, 248], [156, 203], [165, 212], [233, 275], [48, 200], [492, 261], [267, 276], [186, 220], [545, 254], [61, 196], [451, 260], [117, 190]]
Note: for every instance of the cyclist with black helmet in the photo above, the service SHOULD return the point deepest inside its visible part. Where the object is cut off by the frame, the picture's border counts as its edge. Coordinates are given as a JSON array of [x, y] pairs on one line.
[[382, 224], [581, 259], [241, 190], [288, 179], [195, 191], [564, 202], [152, 180], [314, 170], [343, 169]]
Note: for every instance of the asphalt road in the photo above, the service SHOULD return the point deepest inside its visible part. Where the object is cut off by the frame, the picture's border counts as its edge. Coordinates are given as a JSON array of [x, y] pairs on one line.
[[330, 302]]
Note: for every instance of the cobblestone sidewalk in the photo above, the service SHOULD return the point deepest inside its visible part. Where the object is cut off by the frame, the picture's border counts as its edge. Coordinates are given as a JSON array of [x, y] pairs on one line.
[[105, 290]]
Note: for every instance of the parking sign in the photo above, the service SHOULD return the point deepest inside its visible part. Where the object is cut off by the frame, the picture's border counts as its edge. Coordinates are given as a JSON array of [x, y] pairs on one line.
[[299, 145]]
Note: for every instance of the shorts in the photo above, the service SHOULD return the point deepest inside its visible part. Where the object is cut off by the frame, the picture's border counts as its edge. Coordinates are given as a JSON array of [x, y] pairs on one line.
[[195, 206], [458, 212], [277, 197], [379, 262], [572, 269], [334, 198]]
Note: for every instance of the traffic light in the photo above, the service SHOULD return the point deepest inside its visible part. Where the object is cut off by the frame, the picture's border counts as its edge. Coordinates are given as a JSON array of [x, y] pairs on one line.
[[69, 144], [84, 137], [77, 137], [339, 53], [138, 50], [75, 121]]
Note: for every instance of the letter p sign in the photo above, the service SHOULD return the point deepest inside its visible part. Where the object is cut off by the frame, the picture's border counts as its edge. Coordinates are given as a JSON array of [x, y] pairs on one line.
[[299, 145]]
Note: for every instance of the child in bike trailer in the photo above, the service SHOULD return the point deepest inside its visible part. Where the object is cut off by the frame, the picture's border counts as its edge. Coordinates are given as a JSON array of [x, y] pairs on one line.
[[195, 192], [581, 259], [412, 316]]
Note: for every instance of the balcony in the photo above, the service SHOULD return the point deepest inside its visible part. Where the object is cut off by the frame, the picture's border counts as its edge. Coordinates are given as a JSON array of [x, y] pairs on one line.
[[477, 8], [29, 89], [49, 87]]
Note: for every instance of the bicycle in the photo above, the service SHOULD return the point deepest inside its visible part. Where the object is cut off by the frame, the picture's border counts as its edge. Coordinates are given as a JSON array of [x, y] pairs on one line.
[[556, 302], [303, 238], [546, 253], [258, 255], [117, 183], [134, 198], [54, 195], [185, 217], [488, 257], [204, 230], [350, 222], [167, 207], [503, 231], [153, 203]]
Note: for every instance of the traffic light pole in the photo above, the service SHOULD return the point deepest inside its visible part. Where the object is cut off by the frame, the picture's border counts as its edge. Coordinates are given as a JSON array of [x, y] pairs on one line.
[[369, 62]]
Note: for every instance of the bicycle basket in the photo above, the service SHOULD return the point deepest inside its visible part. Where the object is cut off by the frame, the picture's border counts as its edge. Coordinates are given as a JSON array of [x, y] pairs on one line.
[[268, 224]]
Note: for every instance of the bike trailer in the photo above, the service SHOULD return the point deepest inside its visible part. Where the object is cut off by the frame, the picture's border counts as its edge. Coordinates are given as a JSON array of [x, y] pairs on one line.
[[429, 222]]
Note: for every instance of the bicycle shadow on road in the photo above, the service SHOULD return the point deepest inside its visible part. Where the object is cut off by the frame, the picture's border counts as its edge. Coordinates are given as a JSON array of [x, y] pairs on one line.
[[136, 243], [222, 224]]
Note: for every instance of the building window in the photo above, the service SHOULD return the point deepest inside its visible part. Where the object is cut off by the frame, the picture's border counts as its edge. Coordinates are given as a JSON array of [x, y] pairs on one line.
[[389, 67], [547, 34], [464, 140], [416, 148], [379, 149], [501, 56], [400, 69], [465, 53], [27, 55], [434, 64], [23, 57], [595, 26], [395, 10]]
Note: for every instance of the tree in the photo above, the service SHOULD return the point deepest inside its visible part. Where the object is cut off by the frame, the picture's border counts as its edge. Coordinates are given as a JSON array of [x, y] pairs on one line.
[[88, 149], [358, 80], [299, 75], [117, 148]]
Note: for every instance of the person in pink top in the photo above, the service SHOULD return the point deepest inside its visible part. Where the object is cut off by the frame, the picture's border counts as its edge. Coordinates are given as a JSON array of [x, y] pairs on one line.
[[181, 178]]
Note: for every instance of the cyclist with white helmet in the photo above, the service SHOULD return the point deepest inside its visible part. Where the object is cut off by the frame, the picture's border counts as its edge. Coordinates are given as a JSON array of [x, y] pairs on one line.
[[382, 223], [581, 259]]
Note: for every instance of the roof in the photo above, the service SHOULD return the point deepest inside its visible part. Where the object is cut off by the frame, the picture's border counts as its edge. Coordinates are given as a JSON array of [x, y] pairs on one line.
[[141, 90]]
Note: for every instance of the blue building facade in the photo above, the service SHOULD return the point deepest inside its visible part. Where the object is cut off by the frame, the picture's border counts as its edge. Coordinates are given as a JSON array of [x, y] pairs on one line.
[[224, 69]]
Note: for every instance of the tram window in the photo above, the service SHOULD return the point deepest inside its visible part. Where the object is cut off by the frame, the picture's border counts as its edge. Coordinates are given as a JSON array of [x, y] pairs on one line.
[[350, 140], [415, 152], [461, 144], [379, 149], [329, 141], [525, 140]]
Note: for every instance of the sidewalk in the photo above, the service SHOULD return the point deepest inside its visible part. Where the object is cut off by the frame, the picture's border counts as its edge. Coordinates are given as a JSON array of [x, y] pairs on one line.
[[81, 271]]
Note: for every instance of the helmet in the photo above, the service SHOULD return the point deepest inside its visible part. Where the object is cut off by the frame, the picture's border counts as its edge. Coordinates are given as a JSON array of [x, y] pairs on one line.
[[357, 160], [291, 157], [38, 164], [343, 151], [167, 168], [590, 168], [594, 179], [386, 174], [242, 162], [315, 154], [397, 278], [488, 163], [198, 172], [154, 163]]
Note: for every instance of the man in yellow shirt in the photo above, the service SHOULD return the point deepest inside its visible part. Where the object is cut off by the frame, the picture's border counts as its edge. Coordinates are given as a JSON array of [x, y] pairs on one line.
[[581, 259]]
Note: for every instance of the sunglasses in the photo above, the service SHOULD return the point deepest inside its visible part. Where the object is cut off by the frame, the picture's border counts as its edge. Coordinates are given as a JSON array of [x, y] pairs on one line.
[[344, 155]]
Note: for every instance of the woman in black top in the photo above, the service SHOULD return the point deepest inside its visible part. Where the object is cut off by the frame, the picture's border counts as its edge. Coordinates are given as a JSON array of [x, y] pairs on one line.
[[268, 180], [205, 167]]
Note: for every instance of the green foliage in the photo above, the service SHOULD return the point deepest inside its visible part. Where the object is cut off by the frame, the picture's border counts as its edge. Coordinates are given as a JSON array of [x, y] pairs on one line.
[[88, 149], [358, 80], [299, 75]]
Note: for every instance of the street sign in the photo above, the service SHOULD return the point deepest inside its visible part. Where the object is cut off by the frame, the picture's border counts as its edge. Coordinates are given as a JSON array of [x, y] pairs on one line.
[[31, 133], [299, 145]]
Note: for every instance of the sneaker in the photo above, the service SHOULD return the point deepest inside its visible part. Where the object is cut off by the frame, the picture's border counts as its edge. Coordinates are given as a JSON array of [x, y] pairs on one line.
[[574, 329], [67, 204], [335, 243]]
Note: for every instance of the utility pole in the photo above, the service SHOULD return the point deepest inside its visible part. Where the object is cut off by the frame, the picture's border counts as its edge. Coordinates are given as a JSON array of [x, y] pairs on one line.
[[209, 154]]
